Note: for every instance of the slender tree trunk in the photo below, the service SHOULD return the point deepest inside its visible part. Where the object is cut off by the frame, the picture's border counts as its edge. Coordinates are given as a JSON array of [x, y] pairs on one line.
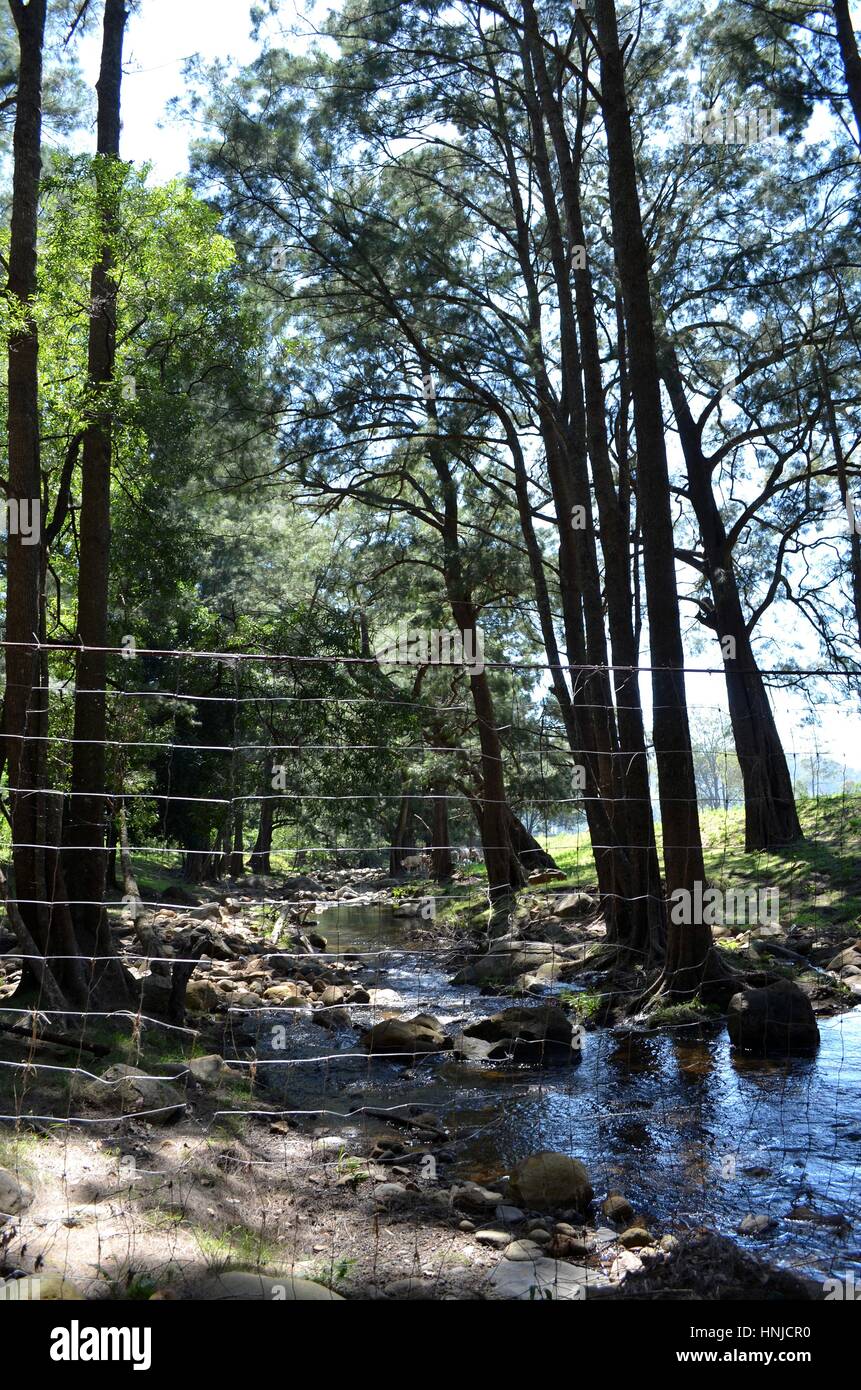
[[845, 497], [401, 847], [771, 819], [260, 861], [690, 956], [442, 865], [850, 57], [86, 860], [645, 921]]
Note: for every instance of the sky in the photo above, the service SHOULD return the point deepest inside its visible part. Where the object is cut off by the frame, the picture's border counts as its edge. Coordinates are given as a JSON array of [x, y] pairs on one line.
[[159, 39]]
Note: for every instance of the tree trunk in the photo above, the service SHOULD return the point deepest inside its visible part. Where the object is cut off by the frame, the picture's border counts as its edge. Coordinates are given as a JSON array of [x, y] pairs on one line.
[[400, 847], [441, 858], [771, 819], [642, 926], [86, 860], [25, 702], [690, 955], [526, 847], [850, 58], [260, 861]]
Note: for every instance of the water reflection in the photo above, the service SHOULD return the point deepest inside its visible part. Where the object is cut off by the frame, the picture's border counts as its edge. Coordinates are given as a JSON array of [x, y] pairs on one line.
[[692, 1133]]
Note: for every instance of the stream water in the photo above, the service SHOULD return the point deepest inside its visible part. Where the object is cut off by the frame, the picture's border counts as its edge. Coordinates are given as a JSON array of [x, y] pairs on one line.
[[691, 1133]]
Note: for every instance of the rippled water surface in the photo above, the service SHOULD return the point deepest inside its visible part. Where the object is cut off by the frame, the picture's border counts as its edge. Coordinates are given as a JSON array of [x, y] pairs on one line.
[[691, 1133]]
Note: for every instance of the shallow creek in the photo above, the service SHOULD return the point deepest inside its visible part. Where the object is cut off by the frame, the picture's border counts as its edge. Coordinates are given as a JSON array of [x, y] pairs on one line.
[[693, 1135]]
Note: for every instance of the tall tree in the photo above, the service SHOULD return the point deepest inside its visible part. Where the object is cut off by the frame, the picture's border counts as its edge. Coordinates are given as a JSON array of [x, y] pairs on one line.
[[86, 861], [691, 960]]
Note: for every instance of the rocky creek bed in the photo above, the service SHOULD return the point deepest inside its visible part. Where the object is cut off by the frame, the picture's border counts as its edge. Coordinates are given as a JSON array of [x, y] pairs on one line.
[[369, 1120]]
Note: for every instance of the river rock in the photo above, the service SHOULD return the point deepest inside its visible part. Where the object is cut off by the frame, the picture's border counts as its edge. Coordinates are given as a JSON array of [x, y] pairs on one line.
[[475, 1197], [635, 1237], [523, 1250], [850, 957], [617, 1208], [542, 1279], [575, 905], [547, 1180], [201, 996], [775, 1020], [528, 1034], [498, 1239], [503, 967], [756, 1224], [412, 1036], [15, 1195], [282, 994], [207, 1070]]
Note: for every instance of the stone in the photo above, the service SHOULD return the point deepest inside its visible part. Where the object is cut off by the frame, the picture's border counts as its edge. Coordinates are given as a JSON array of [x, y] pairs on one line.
[[617, 1208], [538, 1234], [474, 1196], [130, 1091], [849, 957], [387, 1193], [527, 1034], [635, 1237], [241, 1285], [283, 993], [207, 1070], [756, 1224], [333, 994], [201, 997], [775, 1020], [575, 905], [498, 1239], [358, 995], [472, 1049], [523, 1250], [541, 1279], [507, 962], [547, 1180], [421, 1034], [509, 1215], [15, 1195]]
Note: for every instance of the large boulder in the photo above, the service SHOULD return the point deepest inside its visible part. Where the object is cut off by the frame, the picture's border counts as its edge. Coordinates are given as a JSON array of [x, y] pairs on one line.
[[546, 1181], [527, 1034], [775, 1020], [413, 1036], [503, 966]]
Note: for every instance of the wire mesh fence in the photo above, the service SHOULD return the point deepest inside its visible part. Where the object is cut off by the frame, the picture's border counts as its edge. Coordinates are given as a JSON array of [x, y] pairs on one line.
[[342, 1061]]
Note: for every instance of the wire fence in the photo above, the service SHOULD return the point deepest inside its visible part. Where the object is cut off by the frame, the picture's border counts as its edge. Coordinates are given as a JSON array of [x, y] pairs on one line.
[[367, 1114]]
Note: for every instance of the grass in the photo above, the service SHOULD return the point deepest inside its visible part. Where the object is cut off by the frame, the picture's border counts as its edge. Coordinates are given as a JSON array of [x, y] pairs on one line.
[[818, 879]]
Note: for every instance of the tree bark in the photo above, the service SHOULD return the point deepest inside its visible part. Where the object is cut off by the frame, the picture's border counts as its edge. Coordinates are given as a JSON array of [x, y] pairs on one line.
[[260, 861], [25, 702], [690, 955], [86, 861], [442, 866], [850, 58], [771, 819]]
